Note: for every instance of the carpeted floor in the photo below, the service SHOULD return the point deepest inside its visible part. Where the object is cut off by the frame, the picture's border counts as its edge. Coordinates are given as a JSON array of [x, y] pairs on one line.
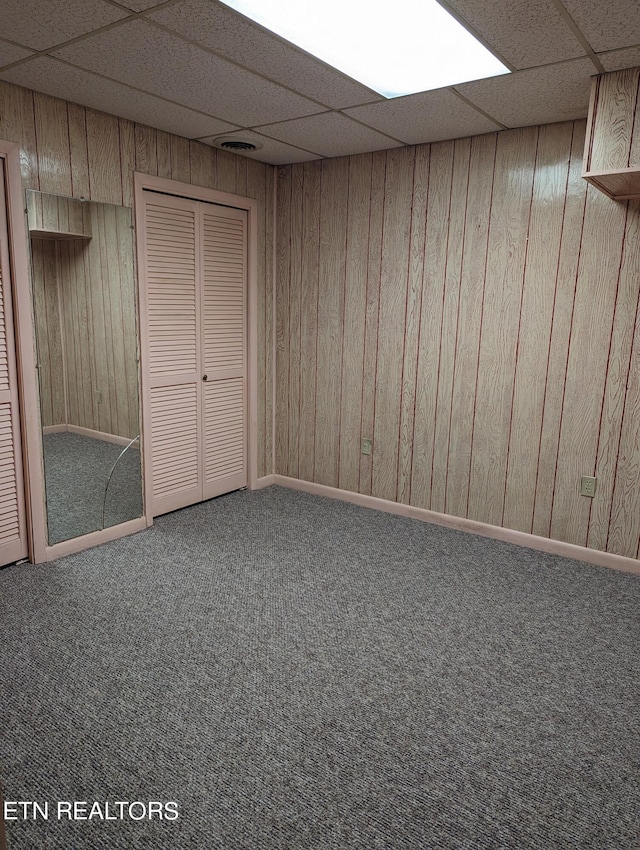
[[77, 474], [299, 673]]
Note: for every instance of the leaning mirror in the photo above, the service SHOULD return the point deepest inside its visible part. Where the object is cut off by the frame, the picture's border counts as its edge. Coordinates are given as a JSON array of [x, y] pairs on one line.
[[85, 320]]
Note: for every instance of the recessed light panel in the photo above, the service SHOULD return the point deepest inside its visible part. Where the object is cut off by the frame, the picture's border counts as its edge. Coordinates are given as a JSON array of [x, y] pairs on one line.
[[395, 47]]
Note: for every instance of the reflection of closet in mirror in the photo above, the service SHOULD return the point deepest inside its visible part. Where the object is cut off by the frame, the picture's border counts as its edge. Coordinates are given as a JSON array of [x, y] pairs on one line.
[[85, 319]]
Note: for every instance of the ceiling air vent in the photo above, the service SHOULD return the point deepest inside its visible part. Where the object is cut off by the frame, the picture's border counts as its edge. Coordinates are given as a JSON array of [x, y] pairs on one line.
[[237, 144]]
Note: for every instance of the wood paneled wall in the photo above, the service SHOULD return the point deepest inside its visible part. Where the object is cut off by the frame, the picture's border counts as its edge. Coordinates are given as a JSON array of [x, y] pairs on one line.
[[85, 316], [71, 150], [472, 308]]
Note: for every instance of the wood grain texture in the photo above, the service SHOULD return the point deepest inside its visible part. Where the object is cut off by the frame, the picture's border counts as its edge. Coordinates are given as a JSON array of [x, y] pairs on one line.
[[283, 248], [506, 256], [430, 328], [355, 306], [501, 364], [331, 282], [54, 151], [613, 119], [540, 282], [394, 266], [295, 316], [48, 332], [312, 179]]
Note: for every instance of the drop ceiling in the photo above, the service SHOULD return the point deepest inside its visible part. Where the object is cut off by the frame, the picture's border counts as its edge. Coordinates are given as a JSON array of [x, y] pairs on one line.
[[198, 69]]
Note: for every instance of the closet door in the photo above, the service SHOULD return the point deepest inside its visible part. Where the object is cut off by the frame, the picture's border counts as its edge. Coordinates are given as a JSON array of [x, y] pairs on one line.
[[195, 292], [224, 250], [173, 320], [13, 536]]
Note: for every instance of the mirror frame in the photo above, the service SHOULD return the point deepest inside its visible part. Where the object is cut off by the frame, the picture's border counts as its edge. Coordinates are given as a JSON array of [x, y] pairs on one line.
[[40, 551]]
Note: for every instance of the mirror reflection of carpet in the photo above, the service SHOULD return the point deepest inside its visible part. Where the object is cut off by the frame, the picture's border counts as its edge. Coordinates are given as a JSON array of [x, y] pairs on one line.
[[76, 472]]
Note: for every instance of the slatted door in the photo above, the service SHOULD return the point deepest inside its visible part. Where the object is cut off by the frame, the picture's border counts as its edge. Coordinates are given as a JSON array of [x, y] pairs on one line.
[[13, 536], [224, 349], [195, 294]]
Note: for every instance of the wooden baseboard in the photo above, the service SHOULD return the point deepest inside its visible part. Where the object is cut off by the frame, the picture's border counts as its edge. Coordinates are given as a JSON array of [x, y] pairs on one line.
[[519, 538], [55, 429], [265, 481], [99, 435]]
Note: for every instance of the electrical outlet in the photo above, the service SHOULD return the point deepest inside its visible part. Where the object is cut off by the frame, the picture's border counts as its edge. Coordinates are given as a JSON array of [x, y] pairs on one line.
[[98, 397], [588, 486], [366, 447]]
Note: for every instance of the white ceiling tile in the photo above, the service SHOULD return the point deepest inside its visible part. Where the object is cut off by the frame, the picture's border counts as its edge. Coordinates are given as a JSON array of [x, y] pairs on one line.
[[54, 77], [607, 24], [426, 117], [330, 134], [142, 55], [272, 151], [41, 25], [618, 60], [524, 32], [237, 38], [12, 53], [535, 96]]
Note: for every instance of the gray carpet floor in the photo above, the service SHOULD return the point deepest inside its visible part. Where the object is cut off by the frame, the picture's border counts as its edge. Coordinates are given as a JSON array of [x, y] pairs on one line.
[[299, 673], [77, 474]]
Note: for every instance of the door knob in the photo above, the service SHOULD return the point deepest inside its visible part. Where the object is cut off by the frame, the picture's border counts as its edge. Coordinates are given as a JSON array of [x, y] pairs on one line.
[[204, 377]]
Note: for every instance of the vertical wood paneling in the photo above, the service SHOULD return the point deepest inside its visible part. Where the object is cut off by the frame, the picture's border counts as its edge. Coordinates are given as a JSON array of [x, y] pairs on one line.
[[614, 119], [540, 281], [506, 254], [283, 229], [295, 299], [312, 178], [355, 305], [180, 160], [333, 223], [76, 116], [624, 526], [616, 381], [567, 274], [396, 233], [589, 346], [430, 329], [163, 152], [48, 333], [449, 327], [370, 356], [54, 151], [474, 252], [202, 165], [146, 149], [488, 322], [103, 149], [127, 159], [412, 320]]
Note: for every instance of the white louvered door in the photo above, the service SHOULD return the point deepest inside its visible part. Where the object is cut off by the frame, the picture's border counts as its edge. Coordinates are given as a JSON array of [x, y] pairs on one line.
[[224, 349], [195, 293], [13, 535]]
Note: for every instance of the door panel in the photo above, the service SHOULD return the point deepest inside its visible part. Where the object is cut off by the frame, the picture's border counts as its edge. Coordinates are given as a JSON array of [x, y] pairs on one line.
[[13, 536], [173, 343], [196, 291]]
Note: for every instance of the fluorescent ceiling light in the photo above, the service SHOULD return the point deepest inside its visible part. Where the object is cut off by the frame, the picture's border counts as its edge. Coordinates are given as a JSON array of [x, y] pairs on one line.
[[394, 47]]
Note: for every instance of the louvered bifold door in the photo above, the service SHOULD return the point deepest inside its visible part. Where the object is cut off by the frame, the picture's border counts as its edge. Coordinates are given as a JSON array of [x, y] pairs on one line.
[[173, 318], [224, 260], [13, 536]]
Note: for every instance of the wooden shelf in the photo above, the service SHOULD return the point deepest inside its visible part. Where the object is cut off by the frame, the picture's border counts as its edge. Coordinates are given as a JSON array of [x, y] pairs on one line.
[[54, 217], [612, 145], [621, 185]]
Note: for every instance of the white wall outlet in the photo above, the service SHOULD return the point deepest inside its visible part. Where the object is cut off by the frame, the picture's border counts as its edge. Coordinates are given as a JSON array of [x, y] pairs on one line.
[[588, 486], [366, 447], [98, 397]]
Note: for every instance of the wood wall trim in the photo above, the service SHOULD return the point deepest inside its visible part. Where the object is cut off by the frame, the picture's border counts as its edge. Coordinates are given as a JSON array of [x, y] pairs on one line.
[[95, 538], [25, 345], [518, 538]]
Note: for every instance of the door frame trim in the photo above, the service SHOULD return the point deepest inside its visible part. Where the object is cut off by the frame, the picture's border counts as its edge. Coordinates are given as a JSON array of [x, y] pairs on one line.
[[29, 404], [166, 186]]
